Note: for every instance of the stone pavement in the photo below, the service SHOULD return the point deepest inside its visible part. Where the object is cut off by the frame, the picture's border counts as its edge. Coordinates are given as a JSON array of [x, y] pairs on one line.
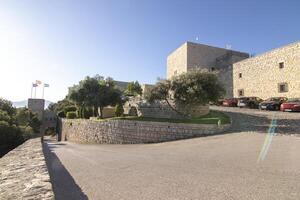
[[215, 167]]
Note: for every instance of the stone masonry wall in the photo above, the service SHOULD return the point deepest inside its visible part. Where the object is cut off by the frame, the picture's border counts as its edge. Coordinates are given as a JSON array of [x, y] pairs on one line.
[[177, 61], [261, 74], [132, 132], [24, 174], [160, 109]]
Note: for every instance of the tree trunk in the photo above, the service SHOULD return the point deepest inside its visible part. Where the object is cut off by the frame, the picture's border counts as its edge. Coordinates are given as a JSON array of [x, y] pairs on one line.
[[101, 112], [178, 112]]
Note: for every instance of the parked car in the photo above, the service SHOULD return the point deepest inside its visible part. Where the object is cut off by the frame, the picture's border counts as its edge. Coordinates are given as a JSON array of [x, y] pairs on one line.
[[232, 102], [291, 105], [272, 103], [249, 102]]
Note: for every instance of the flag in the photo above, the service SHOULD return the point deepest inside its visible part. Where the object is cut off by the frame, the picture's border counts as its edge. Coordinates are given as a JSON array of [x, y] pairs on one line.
[[38, 82], [46, 85], [34, 85]]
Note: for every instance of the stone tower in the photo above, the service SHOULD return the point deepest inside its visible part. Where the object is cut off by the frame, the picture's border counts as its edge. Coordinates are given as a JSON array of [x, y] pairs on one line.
[[190, 56]]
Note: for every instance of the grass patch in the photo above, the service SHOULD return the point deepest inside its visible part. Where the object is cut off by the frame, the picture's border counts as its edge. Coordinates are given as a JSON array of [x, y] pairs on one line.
[[212, 118]]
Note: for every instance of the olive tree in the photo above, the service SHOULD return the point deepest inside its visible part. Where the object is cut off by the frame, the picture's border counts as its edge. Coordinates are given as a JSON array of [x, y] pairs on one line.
[[133, 89], [191, 88], [96, 93]]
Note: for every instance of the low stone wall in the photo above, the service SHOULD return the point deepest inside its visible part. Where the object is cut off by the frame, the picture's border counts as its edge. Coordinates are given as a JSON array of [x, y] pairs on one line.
[[132, 132], [160, 109], [24, 174]]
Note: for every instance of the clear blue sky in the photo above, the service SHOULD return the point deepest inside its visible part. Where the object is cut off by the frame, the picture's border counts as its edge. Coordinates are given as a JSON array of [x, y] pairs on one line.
[[62, 41]]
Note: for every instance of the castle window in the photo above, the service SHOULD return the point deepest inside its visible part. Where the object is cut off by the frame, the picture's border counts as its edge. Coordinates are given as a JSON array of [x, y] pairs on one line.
[[282, 87], [240, 75], [281, 65], [241, 92]]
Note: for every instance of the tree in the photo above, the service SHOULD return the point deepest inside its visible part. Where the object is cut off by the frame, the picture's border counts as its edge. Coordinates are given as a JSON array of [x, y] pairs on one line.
[[133, 89], [26, 118], [119, 110], [6, 105], [95, 93], [192, 88]]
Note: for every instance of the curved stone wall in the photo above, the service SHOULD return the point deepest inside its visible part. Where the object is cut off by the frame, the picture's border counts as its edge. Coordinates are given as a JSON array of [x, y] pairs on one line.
[[24, 174], [132, 132]]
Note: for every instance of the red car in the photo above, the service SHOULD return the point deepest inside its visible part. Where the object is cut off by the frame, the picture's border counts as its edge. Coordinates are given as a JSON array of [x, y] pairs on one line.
[[291, 105], [232, 102]]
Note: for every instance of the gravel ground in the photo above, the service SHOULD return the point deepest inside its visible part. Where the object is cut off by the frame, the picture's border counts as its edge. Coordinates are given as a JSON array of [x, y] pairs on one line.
[[215, 167]]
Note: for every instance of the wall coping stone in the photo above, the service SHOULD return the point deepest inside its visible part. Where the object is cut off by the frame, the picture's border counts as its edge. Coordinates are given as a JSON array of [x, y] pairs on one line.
[[24, 174]]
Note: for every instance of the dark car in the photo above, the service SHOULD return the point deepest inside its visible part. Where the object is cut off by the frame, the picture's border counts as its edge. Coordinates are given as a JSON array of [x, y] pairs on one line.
[[249, 102], [232, 102], [291, 105], [272, 103]]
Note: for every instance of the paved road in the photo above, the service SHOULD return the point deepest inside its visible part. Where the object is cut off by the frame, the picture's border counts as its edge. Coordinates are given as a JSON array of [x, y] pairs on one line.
[[216, 167]]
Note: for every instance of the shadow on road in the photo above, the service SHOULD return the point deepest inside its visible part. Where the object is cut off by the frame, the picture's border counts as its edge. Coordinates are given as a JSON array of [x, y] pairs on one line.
[[64, 186]]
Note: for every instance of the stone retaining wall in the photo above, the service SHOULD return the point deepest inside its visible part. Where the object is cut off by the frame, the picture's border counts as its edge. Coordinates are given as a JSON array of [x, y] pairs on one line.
[[24, 174], [132, 132]]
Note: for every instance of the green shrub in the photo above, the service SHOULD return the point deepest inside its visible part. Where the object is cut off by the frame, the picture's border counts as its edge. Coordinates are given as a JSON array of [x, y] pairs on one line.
[[87, 112], [27, 131], [71, 115], [119, 110], [4, 116], [61, 114], [69, 109], [10, 134]]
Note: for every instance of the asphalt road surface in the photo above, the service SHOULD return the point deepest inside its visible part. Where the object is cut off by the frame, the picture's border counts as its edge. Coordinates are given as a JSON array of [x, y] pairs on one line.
[[237, 165]]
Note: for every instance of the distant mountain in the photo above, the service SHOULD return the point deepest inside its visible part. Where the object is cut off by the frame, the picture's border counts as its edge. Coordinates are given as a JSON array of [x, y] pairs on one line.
[[19, 104]]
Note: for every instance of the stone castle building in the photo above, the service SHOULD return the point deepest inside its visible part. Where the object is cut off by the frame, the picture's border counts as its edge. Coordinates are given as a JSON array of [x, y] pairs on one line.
[[47, 117], [190, 56], [272, 74]]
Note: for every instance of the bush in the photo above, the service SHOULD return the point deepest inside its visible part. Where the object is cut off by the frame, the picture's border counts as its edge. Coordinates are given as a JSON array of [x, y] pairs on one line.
[[27, 131], [4, 116], [71, 115], [10, 137], [87, 112], [61, 114], [119, 110], [70, 109]]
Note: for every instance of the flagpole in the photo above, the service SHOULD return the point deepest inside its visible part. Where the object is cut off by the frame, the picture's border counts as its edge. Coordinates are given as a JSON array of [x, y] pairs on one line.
[[43, 91], [31, 90], [35, 92]]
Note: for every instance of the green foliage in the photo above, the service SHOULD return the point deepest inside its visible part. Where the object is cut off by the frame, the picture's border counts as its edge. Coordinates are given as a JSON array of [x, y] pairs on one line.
[[10, 137], [95, 93], [16, 126], [194, 87], [60, 105], [119, 110], [61, 114], [24, 117], [133, 89], [70, 109], [5, 117], [86, 112], [6, 105], [27, 131], [71, 115]]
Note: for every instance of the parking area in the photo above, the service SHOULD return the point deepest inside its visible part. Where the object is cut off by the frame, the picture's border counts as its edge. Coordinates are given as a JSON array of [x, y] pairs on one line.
[[255, 120]]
